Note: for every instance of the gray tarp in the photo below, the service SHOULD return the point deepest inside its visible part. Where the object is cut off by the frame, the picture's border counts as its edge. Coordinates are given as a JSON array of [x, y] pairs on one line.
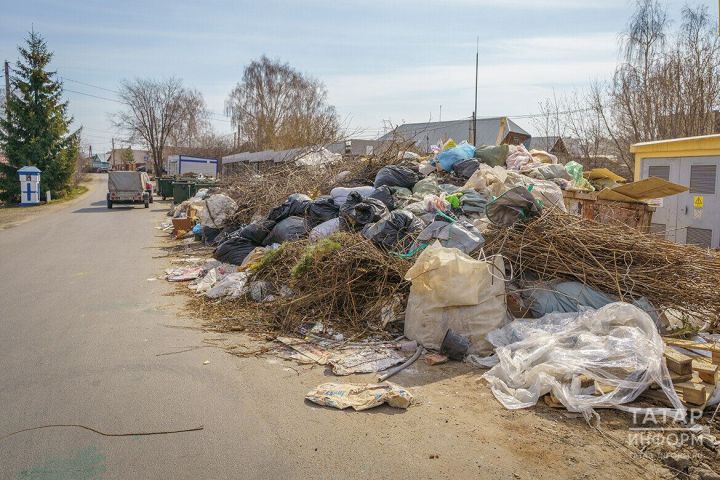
[[125, 182]]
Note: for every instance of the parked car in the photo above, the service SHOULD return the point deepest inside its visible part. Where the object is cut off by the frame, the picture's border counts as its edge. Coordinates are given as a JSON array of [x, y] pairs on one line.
[[128, 187]]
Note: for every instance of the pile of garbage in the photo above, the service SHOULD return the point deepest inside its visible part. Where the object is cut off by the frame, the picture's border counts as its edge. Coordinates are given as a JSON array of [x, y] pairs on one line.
[[457, 250]]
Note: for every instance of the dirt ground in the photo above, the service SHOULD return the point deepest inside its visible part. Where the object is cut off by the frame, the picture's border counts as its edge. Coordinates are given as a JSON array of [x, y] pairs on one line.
[[456, 422]]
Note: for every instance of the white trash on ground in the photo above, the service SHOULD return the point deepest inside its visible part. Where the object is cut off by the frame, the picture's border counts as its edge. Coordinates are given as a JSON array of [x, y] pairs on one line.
[[360, 396], [616, 346]]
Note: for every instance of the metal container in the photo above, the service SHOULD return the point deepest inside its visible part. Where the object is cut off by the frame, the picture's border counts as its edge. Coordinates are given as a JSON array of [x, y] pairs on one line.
[[164, 187], [181, 191]]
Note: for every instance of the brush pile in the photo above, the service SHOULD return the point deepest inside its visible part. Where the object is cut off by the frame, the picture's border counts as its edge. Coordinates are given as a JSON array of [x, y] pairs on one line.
[[257, 193], [343, 281], [616, 259]]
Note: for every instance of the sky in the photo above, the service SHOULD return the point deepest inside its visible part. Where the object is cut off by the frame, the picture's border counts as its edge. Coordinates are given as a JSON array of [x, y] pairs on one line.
[[384, 61]]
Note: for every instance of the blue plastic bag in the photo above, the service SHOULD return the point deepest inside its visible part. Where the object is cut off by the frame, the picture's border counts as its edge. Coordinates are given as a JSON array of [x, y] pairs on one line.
[[197, 229], [454, 155]]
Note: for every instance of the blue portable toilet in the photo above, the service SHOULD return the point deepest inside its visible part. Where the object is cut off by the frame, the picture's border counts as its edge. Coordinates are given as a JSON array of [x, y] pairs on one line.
[[29, 185]]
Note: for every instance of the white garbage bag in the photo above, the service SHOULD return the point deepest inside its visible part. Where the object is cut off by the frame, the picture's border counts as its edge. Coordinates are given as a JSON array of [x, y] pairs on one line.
[[571, 354], [451, 290], [216, 209]]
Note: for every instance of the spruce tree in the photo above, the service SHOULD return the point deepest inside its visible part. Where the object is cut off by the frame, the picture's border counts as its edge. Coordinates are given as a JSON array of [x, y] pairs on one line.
[[35, 129]]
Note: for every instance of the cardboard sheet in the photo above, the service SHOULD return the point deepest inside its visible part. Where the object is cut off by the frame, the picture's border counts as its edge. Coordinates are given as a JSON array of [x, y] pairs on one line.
[[652, 187], [597, 173]]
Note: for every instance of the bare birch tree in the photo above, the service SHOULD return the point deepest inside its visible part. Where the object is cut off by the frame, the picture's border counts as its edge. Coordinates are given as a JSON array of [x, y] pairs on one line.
[[277, 107], [158, 112]]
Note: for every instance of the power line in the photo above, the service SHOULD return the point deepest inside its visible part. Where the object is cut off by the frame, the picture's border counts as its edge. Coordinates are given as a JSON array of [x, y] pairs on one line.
[[90, 85], [94, 96]]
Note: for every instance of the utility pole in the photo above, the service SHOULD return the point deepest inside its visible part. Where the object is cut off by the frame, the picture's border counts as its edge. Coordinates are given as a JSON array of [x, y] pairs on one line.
[[477, 54], [112, 153], [7, 85], [440, 119]]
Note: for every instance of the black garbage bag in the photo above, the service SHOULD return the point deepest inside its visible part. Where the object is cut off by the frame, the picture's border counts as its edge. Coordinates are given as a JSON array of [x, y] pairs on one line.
[[466, 168], [396, 176], [358, 211], [209, 235], [321, 210], [294, 206], [234, 250], [516, 204], [394, 230], [385, 195], [292, 228], [256, 232]]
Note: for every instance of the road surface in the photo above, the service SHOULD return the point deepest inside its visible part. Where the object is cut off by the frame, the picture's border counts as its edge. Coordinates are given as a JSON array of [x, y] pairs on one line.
[[86, 339]]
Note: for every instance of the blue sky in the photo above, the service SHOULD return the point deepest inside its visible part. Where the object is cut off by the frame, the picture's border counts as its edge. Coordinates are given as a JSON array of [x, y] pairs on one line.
[[396, 60]]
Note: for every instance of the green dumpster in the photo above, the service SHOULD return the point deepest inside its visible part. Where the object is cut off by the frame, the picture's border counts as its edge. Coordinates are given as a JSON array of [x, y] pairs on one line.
[[164, 186], [182, 191], [201, 184]]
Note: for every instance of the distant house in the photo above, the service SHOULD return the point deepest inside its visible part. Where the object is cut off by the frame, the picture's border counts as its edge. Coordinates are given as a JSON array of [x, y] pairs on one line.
[[554, 145], [354, 146], [140, 157], [490, 131], [100, 162]]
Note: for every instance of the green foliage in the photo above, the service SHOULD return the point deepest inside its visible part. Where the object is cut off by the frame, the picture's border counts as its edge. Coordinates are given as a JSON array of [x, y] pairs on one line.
[[270, 257], [126, 155], [35, 130], [312, 254]]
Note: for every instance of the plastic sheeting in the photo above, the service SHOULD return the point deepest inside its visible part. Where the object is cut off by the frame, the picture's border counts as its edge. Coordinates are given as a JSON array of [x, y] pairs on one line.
[[570, 296], [452, 290], [617, 346]]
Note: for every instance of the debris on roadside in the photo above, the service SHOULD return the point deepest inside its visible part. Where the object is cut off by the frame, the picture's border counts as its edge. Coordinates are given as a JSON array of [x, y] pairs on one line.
[[360, 396], [474, 254]]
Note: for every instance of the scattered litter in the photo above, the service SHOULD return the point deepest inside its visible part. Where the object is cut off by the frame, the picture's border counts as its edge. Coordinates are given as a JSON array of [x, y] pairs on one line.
[[435, 359], [364, 360], [360, 396]]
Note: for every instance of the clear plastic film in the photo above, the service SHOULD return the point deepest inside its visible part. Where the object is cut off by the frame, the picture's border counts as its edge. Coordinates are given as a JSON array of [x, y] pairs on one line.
[[587, 360]]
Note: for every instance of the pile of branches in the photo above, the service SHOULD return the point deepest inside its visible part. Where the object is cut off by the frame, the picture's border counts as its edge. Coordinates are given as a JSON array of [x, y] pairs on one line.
[[615, 259], [343, 281], [256, 193]]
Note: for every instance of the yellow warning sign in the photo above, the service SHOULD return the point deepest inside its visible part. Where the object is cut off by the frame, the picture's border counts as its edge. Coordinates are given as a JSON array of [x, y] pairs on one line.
[[698, 201]]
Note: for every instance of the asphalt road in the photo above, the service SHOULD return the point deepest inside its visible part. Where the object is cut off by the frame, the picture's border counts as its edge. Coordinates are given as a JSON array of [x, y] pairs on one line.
[[86, 339]]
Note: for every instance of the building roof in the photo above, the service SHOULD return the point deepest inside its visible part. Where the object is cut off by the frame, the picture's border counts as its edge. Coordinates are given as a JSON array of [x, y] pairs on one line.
[[433, 133], [29, 169], [702, 142], [544, 143]]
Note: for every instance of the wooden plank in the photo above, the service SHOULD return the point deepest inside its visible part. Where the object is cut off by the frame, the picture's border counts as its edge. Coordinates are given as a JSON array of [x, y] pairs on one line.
[[708, 372], [689, 344], [693, 393], [678, 362]]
